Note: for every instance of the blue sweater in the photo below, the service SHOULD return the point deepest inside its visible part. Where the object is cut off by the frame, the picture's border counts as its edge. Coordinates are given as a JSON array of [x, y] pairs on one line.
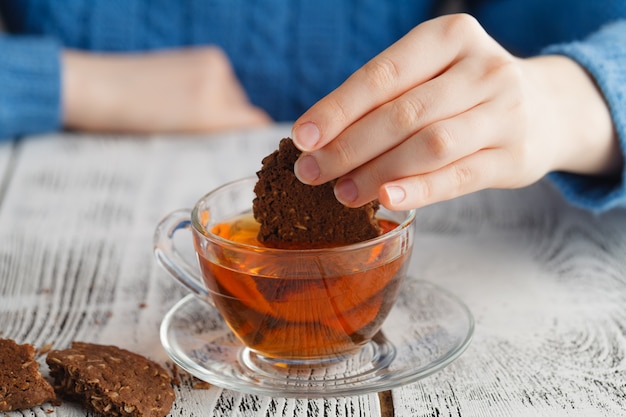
[[290, 53]]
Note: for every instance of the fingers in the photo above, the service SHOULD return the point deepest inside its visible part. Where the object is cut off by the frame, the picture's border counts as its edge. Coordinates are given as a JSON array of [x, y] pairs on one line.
[[244, 116], [472, 173], [460, 88], [438, 148], [413, 60]]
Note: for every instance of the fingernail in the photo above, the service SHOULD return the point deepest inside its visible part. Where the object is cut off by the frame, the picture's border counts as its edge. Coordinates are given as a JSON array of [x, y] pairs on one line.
[[306, 136], [346, 191], [306, 169], [395, 194]]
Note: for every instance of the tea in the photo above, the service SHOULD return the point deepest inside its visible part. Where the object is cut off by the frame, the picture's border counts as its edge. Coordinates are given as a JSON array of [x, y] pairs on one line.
[[316, 304]]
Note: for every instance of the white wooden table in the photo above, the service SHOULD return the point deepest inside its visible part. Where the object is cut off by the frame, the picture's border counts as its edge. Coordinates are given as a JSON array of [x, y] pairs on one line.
[[545, 281]]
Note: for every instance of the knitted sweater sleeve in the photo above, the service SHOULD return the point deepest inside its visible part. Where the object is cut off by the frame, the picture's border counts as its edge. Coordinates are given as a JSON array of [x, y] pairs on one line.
[[603, 54], [30, 81]]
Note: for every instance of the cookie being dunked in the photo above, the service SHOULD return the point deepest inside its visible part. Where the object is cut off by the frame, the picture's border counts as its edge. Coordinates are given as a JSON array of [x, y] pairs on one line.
[[296, 215]]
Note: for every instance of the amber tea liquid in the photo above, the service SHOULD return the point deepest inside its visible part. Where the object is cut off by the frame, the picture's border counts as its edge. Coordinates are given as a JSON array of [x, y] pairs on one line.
[[301, 307]]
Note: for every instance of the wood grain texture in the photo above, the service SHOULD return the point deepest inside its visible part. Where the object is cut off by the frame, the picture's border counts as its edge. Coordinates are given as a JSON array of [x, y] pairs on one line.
[[545, 281], [76, 261], [7, 151], [547, 285]]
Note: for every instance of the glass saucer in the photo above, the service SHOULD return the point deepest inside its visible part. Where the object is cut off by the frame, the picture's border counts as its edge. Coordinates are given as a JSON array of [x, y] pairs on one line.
[[427, 329]]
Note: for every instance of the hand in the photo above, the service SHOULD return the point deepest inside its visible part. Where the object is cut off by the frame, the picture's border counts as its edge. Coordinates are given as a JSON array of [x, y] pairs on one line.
[[191, 90], [446, 111]]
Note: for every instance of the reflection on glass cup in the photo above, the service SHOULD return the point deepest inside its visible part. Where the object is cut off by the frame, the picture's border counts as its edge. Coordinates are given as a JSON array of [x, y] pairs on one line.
[[291, 306]]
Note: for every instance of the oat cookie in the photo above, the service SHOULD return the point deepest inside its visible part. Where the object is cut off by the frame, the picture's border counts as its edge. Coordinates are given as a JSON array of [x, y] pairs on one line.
[[294, 214], [111, 381], [21, 384]]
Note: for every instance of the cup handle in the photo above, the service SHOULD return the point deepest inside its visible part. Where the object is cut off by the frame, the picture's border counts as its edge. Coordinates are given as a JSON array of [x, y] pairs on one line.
[[170, 259]]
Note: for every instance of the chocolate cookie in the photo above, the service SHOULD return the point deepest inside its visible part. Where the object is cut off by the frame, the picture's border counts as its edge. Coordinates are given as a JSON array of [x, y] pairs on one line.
[[111, 381], [293, 214], [21, 384]]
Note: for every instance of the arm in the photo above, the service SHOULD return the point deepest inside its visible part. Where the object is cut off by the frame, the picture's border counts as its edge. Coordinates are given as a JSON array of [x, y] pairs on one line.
[[29, 86], [44, 88], [580, 30], [603, 55]]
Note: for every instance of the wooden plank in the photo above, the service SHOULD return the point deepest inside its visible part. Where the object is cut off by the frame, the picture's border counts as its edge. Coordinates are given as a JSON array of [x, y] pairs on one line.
[[76, 259]]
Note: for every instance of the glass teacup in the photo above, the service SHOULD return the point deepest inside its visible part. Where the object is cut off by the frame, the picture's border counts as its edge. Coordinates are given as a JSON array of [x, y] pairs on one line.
[[288, 306]]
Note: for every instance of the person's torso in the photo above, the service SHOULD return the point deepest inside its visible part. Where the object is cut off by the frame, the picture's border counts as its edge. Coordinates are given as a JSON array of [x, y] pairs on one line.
[[287, 53]]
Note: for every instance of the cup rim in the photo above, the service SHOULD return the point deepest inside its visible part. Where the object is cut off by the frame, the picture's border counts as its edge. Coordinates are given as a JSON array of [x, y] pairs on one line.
[[406, 223]]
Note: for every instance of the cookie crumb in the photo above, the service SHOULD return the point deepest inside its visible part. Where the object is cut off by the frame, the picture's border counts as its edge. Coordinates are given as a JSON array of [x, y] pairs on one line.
[[44, 349], [199, 384]]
